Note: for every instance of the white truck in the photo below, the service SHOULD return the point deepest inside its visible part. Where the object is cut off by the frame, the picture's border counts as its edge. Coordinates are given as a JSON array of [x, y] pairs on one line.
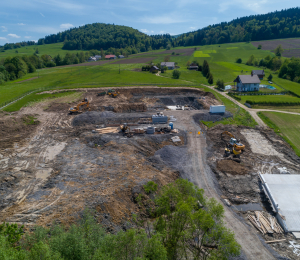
[[217, 109]]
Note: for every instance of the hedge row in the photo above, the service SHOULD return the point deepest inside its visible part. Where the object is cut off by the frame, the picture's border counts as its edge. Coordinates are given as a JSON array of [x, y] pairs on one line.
[[272, 103]]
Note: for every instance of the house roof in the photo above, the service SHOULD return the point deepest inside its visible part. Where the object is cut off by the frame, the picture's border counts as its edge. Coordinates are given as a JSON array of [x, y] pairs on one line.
[[155, 67], [168, 64], [110, 56], [97, 56], [248, 79], [121, 56], [258, 72], [194, 67]]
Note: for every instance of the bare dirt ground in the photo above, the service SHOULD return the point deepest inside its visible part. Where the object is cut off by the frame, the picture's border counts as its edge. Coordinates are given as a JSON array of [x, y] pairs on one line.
[[291, 46], [58, 166], [27, 79], [265, 153]]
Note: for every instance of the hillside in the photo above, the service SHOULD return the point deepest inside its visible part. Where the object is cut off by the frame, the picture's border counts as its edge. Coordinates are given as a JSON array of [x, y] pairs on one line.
[[104, 36], [274, 25]]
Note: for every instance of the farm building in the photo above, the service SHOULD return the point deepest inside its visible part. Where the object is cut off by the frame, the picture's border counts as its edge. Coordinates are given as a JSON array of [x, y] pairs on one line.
[[91, 59], [259, 73], [247, 83], [169, 65], [121, 56], [110, 57], [154, 69], [98, 57], [193, 66]]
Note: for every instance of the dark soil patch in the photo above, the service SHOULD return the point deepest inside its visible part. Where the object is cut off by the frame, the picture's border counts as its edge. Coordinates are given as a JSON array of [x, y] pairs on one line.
[[291, 46], [94, 63], [58, 107], [231, 167], [133, 60]]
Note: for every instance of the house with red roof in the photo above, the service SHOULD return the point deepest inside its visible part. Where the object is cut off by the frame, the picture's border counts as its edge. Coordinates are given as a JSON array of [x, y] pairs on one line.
[[110, 57]]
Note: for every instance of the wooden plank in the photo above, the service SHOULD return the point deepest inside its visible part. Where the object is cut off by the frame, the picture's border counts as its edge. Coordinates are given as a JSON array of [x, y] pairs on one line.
[[275, 241]]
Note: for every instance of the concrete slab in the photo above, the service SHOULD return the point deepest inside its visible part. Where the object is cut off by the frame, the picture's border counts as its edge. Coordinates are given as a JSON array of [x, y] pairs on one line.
[[284, 193]]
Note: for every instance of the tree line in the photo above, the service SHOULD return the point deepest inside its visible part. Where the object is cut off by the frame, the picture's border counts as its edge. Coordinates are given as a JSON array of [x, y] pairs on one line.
[[274, 25], [185, 225], [12, 68]]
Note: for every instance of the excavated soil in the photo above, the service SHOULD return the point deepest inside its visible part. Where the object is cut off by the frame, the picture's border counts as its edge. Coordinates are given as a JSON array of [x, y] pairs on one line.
[[232, 167], [14, 130], [56, 168]]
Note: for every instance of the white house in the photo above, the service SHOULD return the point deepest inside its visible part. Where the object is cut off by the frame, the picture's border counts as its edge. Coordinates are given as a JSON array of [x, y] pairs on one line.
[[98, 57], [247, 83], [92, 58], [169, 65]]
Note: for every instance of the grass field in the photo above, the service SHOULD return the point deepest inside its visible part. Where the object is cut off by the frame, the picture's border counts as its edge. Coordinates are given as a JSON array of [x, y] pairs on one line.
[[285, 125], [50, 49], [270, 98], [199, 54]]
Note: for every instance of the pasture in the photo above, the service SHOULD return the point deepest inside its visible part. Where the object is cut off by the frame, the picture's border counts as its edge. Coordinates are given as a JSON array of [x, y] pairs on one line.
[[285, 125]]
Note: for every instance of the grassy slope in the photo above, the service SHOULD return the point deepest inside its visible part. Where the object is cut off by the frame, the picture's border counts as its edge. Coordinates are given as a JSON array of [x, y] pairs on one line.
[[50, 49], [268, 98], [285, 125]]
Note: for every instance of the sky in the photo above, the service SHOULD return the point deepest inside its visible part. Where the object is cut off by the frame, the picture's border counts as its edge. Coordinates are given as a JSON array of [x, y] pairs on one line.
[[34, 19]]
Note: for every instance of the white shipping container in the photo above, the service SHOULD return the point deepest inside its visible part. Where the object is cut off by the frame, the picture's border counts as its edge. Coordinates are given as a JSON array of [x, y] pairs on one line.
[[217, 109]]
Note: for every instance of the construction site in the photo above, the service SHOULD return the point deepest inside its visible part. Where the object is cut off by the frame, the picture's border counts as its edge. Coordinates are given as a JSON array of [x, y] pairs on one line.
[[57, 158]]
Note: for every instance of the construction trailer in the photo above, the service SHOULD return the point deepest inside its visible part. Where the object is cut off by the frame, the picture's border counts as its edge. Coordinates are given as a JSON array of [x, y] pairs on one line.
[[159, 118], [283, 193], [220, 109]]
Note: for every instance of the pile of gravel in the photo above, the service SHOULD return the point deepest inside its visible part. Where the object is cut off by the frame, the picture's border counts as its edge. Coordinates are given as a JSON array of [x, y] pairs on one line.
[[92, 117]]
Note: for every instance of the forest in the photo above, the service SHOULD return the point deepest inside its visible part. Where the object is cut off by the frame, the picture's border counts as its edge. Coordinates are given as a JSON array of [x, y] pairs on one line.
[[274, 25]]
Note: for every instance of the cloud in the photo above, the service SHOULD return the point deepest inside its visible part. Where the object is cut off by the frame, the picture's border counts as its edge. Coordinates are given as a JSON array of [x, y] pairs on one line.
[[42, 29], [21, 24], [193, 28], [162, 20], [42, 15], [4, 29], [66, 26], [27, 37], [3, 39], [255, 6], [12, 35], [144, 30]]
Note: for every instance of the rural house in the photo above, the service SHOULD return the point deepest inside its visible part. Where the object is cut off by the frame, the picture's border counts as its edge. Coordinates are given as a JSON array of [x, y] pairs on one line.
[[110, 57], [98, 57], [121, 56], [259, 73], [247, 83], [169, 65], [154, 69], [193, 66], [91, 59]]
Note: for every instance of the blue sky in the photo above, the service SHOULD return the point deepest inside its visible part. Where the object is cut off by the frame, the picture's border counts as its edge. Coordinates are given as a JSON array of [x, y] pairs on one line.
[[33, 19]]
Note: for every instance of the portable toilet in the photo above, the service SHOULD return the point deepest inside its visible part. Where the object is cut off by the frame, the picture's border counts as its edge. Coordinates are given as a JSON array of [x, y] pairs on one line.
[[171, 124]]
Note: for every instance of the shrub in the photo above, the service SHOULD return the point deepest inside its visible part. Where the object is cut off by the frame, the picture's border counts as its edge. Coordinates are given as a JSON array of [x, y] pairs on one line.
[[238, 60], [259, 47], [220, 84], [176, 74], [210, 79], [270, 77], [151, 186]]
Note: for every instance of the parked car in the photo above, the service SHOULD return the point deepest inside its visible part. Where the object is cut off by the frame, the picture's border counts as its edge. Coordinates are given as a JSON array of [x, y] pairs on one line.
[[270, 82]]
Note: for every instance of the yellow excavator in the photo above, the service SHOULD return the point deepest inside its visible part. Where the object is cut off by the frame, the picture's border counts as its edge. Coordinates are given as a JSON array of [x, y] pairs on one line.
[[113, 93], [82, 106], [233, 141]]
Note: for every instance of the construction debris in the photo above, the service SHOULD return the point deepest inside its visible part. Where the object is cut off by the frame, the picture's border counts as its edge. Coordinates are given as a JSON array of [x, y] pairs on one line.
[[108, 130], [265, 223], [176, 139]]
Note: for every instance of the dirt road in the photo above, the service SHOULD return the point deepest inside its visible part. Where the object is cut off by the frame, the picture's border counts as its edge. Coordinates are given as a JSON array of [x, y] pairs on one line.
[[201, 175]]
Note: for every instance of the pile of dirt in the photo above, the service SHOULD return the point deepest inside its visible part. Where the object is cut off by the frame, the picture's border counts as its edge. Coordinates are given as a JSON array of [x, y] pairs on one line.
[[92, 117], [232, 167], [15, 129], [128, 108], [59, 107]]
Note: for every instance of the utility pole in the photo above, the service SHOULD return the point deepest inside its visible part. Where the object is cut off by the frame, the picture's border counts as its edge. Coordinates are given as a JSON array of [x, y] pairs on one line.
[[119, 69]]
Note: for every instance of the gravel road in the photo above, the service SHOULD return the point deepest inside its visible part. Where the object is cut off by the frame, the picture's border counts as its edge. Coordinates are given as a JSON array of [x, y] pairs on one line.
[[202, 176]]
